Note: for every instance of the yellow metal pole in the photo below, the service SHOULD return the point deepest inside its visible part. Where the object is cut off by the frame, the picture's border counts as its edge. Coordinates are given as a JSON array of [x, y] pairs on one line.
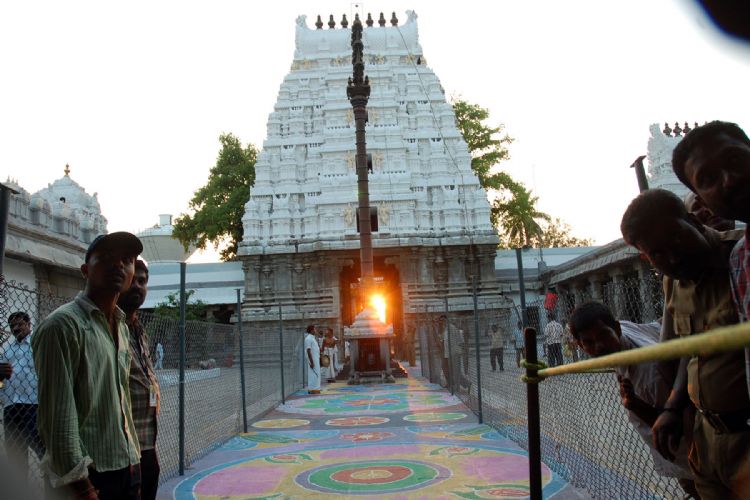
[[724, 339]]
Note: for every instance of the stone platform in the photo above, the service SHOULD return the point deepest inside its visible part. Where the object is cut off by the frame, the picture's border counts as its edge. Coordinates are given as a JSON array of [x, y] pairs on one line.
[[405, 440]]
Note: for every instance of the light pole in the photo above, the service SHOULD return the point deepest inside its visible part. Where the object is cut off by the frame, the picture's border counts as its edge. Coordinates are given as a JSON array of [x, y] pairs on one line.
[[358, 92]]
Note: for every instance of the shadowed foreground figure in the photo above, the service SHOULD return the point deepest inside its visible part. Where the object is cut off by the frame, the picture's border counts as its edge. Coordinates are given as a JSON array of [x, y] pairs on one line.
[[82, 356], [145, 397], [694, 260], [644, 388]]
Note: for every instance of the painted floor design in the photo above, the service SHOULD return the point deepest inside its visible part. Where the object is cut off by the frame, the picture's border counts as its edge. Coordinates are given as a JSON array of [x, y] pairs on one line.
[[400, 441]]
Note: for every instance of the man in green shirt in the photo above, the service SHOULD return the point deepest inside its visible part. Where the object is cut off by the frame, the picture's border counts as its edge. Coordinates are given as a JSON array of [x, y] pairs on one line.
[[82, 357]]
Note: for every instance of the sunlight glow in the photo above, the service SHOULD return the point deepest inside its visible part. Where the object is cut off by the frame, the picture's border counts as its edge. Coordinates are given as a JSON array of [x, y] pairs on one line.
[[378, 303]]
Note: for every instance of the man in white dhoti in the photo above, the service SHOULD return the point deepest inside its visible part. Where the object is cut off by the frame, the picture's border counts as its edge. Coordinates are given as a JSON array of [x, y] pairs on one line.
[[312, 352], [330, 349]]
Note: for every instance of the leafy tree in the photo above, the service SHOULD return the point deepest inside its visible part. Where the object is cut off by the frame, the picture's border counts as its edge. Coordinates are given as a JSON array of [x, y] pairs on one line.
[[218, 206], [513, 208], [487, 145], [170, 308], [519, 217], [558, 234]]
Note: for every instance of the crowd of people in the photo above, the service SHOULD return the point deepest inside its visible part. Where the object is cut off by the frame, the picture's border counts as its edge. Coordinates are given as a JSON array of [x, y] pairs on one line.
[[694, 412], [80, 391], [321, 357]]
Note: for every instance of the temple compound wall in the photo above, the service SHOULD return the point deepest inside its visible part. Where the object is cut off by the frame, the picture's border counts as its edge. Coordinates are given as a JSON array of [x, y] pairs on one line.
[[47, 236], [301, 244]]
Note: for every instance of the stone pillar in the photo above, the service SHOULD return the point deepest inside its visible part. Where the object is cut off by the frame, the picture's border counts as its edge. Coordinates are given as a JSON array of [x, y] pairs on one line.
[[647, 295], [618, 293], [595, 283]]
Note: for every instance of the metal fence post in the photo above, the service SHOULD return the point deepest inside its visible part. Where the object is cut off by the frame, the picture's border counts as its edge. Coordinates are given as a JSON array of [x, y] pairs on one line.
[[476, 342], [242, 361], [5, 194], [532, 405], [522, 290], [181, 404], [281, 356], [447, 340]]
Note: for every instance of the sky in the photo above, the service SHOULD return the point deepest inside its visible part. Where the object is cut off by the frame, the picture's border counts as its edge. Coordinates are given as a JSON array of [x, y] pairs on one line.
[[134, 95]]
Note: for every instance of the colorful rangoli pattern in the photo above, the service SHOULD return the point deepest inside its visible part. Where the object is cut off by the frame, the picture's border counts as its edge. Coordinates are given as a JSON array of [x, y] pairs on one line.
[[397, 442]]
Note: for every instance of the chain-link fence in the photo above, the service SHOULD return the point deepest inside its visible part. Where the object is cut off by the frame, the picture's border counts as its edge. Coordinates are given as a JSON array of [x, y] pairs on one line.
[[586, 435], [20, 310], [211, 405]]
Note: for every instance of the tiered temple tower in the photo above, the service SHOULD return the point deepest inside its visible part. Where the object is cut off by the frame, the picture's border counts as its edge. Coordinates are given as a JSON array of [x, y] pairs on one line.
[[433, 232]]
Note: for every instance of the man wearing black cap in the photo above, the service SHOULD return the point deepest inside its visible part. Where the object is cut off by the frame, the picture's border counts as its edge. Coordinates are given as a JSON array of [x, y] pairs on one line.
[[82, 357]]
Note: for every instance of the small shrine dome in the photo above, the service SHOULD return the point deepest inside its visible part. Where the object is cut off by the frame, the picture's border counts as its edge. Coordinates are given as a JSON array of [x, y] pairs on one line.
[[71, 201]]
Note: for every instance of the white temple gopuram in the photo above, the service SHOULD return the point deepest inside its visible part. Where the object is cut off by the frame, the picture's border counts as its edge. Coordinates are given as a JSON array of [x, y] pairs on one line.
[[301, 246]]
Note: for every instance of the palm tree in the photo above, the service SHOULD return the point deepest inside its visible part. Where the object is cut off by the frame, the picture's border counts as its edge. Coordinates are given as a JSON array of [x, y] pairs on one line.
[[518, 217]]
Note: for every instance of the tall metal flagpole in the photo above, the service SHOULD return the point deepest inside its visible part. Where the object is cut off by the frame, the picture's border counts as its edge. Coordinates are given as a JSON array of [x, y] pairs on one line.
[[358, 92]]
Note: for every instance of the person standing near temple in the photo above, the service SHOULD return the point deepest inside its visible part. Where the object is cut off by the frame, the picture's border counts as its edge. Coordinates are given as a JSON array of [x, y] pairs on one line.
[[330, 349], [553, 337], [144, 387], [82, 358], [312, 359], [19, 393], [159, 356], [497, 343]]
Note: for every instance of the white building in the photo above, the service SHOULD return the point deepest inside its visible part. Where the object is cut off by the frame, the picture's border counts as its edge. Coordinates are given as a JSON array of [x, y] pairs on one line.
[[300, 243]]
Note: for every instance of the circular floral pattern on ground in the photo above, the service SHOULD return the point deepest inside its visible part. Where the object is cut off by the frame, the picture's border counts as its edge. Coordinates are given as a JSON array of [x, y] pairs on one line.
[[373, 470], [372, 477], [375, 403], [360, 437], [434, 417], [280, 423], [357, 421]]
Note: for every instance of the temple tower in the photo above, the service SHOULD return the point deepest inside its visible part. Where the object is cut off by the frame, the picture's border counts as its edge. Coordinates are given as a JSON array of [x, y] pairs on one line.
[[431, 228]]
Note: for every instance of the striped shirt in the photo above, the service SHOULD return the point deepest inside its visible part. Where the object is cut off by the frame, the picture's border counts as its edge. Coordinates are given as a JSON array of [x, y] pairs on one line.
[[553, 333], [739, 271], [84, 414]]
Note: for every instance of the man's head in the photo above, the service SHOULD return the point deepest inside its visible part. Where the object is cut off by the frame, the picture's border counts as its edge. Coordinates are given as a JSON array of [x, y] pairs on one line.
[[595, 329], [20, 325], [310, 329], [110, 262], [132, 299], [329, 332], [713, 160], [696, 206], [657, 223]]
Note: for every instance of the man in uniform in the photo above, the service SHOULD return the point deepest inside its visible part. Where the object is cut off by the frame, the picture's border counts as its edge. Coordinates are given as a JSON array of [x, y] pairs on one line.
[[697, 295]]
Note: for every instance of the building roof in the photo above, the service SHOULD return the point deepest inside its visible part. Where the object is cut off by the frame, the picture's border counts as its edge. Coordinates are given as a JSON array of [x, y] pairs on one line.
[[214, 283]]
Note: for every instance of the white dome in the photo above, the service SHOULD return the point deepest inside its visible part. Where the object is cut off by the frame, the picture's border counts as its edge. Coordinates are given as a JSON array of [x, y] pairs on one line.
[[78, 204], [160, 246]]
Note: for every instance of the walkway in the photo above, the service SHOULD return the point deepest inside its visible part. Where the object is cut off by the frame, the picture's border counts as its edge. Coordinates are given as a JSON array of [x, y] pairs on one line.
[[406, 440]]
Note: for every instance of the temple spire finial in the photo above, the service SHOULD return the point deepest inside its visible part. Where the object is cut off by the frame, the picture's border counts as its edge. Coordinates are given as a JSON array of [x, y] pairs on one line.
[[381, 21], [67, 170], [331, 22], [344, 22], [319, 23], [394, 20], [369, 21]]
